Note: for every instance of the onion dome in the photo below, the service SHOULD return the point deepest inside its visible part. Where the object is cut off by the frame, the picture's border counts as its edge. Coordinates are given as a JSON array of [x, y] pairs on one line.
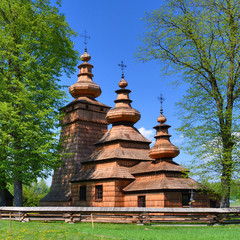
[[85, 87], [123, 112], [163, 148]]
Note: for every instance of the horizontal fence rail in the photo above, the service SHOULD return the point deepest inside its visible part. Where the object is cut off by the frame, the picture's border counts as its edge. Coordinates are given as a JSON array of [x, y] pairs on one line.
[[122, 215]]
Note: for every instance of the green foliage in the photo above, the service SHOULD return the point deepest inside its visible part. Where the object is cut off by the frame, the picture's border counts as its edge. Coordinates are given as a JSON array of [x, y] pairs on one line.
[[35, 50], [235, 188], [201, 40], [33, 193]]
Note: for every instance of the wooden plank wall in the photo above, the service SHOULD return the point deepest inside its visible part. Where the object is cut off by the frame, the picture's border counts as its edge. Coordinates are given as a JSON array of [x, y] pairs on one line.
[[122, 214]]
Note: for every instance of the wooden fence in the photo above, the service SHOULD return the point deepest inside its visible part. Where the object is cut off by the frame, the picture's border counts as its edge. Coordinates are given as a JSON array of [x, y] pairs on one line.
[[122, 215]]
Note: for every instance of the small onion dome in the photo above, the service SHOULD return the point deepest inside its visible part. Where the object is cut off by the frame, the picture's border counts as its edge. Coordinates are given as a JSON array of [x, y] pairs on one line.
[[85, 85], [123, 112], [85, 57], [123, 83], [161, 119], [163, 148]]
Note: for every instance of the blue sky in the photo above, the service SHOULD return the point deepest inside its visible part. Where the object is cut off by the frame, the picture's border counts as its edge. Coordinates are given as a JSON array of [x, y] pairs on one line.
[[115, 28]]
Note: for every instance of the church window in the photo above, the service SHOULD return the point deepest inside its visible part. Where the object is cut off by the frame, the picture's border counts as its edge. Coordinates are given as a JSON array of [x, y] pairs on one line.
[[98, 192], [83, 195], [213, 204], [141, 201], [185, 199]]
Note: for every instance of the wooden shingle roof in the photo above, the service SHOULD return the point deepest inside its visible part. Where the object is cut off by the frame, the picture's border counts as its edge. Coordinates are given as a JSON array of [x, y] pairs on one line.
[[57, 195], [163, 183], [123, 132], [119, 153], [109, 172], [148, 167], [84, 99]]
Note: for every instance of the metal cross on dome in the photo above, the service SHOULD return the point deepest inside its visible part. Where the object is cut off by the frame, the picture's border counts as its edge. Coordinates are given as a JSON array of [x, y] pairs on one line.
[[86, 37], [161, 100], [122, 67]]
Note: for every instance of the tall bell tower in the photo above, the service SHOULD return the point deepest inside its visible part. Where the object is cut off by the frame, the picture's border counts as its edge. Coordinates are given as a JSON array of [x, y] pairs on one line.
[[83, 125]]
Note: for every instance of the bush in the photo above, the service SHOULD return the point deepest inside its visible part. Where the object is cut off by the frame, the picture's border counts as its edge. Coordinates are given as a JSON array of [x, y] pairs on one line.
[[33, 193]]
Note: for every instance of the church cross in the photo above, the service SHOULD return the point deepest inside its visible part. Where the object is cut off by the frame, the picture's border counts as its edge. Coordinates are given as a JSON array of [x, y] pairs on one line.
[[161, 100], [122, 67], [86, 37]]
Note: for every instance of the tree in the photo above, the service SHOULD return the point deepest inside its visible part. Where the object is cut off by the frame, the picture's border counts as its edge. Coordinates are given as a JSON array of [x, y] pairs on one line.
[[201, 40], [32, 193], [35, 50]]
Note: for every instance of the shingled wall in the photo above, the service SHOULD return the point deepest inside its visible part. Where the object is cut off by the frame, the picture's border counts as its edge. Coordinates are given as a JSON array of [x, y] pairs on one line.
[[83, 125]]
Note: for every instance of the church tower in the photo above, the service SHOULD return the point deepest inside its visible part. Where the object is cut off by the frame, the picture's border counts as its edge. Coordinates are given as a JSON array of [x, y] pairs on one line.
[[83, 125], [162, 182], [105, 173]]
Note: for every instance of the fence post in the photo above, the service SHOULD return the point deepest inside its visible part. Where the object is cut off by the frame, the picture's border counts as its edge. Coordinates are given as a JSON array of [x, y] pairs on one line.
[[10, 224], [92, 221], [19, 219]]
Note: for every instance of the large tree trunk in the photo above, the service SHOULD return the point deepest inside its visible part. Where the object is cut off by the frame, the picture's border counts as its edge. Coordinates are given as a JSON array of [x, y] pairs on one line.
[[226, 172], [225, 183], [3, 201], [18, 201], [3, 198], [226, 128]]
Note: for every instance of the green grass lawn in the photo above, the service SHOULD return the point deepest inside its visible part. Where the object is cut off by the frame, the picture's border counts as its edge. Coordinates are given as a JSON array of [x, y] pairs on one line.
[[61, 230]]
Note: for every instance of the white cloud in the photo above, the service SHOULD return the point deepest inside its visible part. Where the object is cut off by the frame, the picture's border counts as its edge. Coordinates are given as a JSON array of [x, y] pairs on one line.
[[178, 140], [149, 134]]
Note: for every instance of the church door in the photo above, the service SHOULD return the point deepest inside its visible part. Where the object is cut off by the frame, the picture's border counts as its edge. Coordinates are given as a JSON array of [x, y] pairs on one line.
[[141, 201]]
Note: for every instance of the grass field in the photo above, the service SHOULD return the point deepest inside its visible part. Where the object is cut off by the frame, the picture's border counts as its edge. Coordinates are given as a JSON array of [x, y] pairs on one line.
[[61, 230]]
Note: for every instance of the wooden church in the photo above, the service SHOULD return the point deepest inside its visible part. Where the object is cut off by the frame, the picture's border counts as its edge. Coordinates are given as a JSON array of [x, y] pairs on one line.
[[116, 167]]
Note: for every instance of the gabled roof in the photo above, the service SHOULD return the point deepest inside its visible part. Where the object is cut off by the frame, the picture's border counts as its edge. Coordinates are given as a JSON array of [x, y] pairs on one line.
[[163, 183]]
